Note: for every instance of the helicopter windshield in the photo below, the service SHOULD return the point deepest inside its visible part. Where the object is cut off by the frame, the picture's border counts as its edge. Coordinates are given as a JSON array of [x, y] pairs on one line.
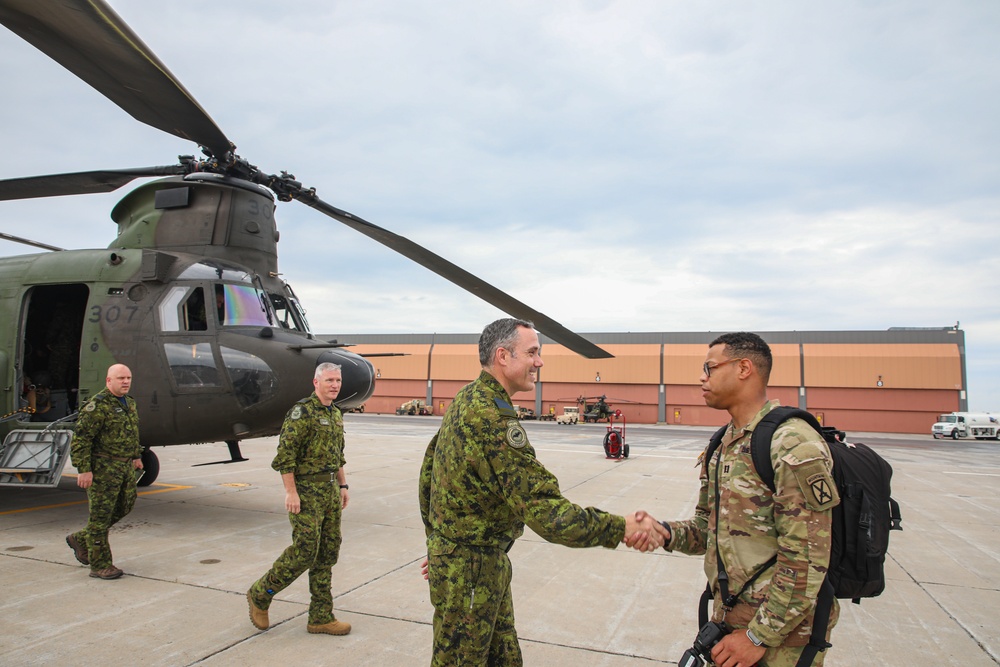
[[242, 305], [289, 312]]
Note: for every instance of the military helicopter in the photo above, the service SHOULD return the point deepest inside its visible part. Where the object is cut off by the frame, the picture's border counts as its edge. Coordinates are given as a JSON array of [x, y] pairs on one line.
[[188, 294]]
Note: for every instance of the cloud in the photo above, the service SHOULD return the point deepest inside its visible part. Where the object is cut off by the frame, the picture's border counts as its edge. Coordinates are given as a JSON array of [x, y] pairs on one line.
[[621, 166]]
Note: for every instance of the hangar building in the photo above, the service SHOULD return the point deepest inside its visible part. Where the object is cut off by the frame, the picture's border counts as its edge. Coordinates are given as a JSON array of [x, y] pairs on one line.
[[897, 380]]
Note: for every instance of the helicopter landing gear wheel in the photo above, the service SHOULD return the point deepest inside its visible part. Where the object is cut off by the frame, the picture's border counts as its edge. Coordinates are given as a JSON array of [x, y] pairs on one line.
[[150, 466]]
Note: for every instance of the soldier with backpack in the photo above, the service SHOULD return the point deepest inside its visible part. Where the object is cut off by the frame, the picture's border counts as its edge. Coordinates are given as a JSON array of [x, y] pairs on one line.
[[766, 553]]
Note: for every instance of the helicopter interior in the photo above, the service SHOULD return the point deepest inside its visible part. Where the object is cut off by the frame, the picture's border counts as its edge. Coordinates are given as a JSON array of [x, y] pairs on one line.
[[53, 326]]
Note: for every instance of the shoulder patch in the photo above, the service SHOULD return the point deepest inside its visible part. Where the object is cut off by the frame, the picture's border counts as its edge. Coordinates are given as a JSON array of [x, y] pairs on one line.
[[296, 412], [90, 407], [516, 437], [506, 409]]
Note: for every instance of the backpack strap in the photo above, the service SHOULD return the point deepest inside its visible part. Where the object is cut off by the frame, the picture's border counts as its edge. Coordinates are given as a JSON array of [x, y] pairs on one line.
[[821, 619], [763, 433]]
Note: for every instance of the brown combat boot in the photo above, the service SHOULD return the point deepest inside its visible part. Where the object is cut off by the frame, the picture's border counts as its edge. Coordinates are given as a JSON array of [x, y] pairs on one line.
[[258, 616], [334, 627], [79, 550], [110, 572]]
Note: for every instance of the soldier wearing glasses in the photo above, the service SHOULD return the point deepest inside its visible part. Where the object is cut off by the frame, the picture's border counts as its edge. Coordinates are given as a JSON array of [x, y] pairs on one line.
[[772, 621]]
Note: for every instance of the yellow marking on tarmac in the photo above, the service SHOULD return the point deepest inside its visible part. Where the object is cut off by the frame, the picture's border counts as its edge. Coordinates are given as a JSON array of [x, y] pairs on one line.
[[166, 488]]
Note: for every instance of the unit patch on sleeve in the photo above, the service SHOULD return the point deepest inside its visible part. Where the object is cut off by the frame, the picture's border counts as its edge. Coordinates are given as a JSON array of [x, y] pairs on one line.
[[296, 412], [516, 437]]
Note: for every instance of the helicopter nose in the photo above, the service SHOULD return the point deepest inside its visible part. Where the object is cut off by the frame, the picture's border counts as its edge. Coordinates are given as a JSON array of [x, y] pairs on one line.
[[358, 375]]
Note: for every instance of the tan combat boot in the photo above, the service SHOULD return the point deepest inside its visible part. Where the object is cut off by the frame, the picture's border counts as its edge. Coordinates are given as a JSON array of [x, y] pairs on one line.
[[334, 627], [258, 616]]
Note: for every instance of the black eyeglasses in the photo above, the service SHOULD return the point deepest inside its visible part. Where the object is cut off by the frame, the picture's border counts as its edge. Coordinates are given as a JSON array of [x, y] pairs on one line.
[[708, 369]]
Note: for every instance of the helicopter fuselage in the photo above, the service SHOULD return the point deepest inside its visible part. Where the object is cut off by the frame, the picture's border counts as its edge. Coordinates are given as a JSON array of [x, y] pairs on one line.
[[188, 297]]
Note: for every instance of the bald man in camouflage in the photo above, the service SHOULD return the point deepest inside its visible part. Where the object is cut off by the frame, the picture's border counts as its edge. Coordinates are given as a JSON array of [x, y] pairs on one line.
[[480, 483], [106, 453], [773, 619], [311, 461]]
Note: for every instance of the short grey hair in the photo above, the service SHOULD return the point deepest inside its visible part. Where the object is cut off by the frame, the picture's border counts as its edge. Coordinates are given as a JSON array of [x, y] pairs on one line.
[[325, 367], [501, 333]]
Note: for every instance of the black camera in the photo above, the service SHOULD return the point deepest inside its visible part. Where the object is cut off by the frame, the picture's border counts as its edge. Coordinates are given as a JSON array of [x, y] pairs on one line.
[[701, 650]]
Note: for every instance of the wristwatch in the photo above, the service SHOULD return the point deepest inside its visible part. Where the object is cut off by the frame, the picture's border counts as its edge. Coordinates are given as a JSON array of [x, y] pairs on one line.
[[343, 486], [753, 638]]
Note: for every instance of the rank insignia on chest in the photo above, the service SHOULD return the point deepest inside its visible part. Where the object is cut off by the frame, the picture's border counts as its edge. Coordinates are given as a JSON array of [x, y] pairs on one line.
[[324, 422], [516, 437]]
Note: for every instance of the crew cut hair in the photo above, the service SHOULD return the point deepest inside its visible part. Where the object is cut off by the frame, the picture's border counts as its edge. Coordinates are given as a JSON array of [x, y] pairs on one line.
[[749, 345], [501, 333], [325, 367]]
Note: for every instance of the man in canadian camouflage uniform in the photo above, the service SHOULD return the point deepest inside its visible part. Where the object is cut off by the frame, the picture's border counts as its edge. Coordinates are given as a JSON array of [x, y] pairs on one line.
[[772, 620], [479, 484], [311, 461], [106, 453]]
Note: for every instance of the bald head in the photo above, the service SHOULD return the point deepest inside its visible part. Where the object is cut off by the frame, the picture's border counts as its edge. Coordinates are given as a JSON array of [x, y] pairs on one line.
[[119, 379]]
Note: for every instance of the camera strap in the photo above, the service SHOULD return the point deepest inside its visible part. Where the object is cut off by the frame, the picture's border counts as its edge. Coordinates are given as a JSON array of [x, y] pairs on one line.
[[729, 601]]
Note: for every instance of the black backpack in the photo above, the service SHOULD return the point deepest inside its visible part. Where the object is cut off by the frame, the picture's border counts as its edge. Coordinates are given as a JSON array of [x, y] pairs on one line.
[[861, 521]]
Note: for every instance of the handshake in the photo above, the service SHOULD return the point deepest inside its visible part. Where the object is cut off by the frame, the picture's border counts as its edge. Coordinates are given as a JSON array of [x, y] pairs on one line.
[[644, 533]]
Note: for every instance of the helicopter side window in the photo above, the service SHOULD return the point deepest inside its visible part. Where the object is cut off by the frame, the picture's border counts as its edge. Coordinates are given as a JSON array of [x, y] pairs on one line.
[[241, 305], [192, 365]]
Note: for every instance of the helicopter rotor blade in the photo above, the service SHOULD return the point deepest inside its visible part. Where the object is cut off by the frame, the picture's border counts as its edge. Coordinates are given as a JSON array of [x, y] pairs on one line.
[[80, 183], [457, 275], [89, 39]]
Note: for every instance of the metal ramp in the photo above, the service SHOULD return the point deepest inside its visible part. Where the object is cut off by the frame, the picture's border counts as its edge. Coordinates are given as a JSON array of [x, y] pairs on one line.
[[34, 457]]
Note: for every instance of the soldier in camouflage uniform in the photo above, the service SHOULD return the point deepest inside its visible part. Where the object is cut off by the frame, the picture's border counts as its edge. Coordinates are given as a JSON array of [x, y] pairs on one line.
[[773, 619], [311, 461], [479, 484], [106, 453]]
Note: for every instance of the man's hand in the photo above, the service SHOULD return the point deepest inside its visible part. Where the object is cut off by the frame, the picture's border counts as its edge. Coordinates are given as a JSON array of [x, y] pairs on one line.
[[643, 532], [137, 463], [736, 650], [425, 568], [292, 503], [345, 498], [85, 479]]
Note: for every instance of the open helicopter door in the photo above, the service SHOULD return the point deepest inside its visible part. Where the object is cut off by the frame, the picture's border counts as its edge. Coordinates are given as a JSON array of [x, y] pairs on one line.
[[34, 458]]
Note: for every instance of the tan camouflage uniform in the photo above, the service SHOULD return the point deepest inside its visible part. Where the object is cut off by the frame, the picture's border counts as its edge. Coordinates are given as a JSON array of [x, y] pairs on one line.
[[105, 443], [754, 525], [480, 483], [311, 442]]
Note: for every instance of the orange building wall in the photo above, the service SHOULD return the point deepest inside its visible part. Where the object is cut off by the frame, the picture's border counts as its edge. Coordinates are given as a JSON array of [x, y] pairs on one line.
[[919, 381]]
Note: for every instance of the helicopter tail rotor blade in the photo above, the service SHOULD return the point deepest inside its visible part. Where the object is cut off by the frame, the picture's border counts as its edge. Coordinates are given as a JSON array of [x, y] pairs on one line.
[[459, 276], [89, 39], [80, 183]]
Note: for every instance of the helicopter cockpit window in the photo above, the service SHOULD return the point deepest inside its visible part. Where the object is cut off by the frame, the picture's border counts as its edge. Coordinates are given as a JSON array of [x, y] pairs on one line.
[[192, 365], [183, 309], [253, 380], [242, 305], [289, 313]]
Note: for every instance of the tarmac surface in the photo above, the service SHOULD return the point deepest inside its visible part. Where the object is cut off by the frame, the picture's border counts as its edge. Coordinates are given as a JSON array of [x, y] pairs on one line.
[[200, 535]]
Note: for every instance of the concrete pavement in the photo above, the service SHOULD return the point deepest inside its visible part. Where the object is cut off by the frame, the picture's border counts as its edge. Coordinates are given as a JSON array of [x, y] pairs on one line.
[[201, 535]]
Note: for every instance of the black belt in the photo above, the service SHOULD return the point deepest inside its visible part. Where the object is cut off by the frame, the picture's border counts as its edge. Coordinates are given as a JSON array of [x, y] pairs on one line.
[[328, 476]]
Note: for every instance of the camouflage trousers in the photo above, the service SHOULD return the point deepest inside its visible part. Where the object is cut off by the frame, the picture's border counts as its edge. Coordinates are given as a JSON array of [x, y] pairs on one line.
[[473, 608], [315, 547], [111, 497], [788, 657]]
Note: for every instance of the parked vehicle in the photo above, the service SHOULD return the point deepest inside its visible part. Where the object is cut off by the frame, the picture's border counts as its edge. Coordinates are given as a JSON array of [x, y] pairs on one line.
[[414, 407], [978, 425], [570, 415]]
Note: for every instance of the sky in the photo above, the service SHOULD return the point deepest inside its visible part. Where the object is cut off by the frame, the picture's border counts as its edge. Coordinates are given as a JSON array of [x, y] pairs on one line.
[[619, 166]]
